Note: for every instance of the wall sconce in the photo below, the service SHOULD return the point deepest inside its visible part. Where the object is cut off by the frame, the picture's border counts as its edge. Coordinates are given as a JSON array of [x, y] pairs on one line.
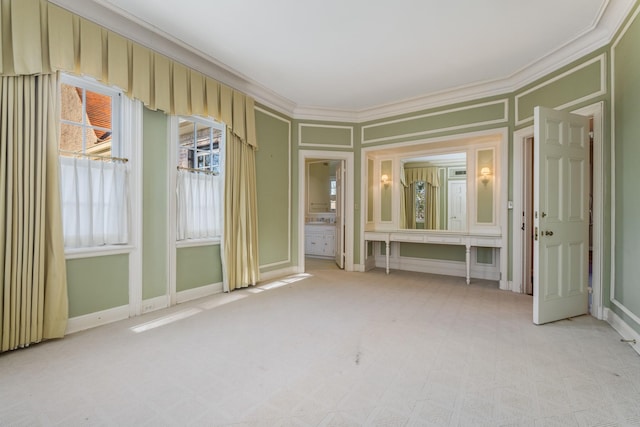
[[485, 172], [384, 179]]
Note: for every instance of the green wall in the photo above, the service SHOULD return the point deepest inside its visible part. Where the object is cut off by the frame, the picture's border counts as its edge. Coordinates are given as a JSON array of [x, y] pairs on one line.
[[197, 266], [484, 210], [273, 181], [97, 283], [436, 252], [155, 202], [626, 104]]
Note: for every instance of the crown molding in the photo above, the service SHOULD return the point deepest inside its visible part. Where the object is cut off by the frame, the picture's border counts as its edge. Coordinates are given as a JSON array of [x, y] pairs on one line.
[[599, 34]]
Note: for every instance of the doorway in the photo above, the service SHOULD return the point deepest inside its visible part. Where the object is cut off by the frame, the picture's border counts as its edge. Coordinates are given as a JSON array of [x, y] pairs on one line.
[[314, 226], [522, 219]]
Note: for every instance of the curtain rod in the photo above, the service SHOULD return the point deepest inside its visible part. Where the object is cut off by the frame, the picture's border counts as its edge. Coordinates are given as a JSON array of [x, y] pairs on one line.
[[94, 156], [198, 170]]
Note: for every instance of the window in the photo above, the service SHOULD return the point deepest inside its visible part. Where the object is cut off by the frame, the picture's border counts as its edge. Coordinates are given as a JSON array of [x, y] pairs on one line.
[[93, 180], [199, 183], [420, 200], [332, 194], [199, 145]]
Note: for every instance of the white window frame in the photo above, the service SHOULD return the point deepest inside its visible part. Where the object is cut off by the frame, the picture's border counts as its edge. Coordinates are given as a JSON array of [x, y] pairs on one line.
[[175, 144], [126, 127]]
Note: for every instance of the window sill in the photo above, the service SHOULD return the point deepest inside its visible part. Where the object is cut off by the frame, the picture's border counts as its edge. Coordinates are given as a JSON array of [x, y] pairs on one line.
[[190, 243], [76, 253]]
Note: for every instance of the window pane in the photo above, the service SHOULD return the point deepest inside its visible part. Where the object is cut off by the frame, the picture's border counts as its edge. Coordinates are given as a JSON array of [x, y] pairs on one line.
[[185, 132], [204, 135], [95, 145], [185, 157], [70, 137], [420, 201], [99, 112], [203, 159], [71, 103]]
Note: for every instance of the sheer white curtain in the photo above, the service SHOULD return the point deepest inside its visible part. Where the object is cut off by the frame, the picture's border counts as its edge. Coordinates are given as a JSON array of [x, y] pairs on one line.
[[199, 200], [95, 199]]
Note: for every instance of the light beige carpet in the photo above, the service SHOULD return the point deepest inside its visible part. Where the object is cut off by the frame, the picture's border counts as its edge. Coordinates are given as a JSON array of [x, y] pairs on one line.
[[331, 349]]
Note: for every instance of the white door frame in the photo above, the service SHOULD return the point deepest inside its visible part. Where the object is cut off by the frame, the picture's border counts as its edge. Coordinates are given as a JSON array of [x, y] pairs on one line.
[[348, 189], [595, 111]]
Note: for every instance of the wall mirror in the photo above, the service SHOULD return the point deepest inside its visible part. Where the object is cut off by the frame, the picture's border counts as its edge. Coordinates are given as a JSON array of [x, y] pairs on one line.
[[451, 185], [321, 186], [433, 192]]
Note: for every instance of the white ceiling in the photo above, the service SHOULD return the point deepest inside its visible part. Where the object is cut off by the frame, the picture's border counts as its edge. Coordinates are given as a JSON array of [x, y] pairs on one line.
[[353, 56]]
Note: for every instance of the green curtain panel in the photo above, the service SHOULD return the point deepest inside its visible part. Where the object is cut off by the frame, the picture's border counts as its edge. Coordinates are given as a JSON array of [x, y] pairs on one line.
[[33, 297]]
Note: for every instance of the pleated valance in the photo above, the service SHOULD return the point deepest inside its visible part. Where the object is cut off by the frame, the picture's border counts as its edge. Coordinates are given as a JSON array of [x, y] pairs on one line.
[[41, 38], [428, 175]]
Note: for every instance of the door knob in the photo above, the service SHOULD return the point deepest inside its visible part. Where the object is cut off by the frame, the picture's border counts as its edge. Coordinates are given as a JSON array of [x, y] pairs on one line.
[[548, 233]]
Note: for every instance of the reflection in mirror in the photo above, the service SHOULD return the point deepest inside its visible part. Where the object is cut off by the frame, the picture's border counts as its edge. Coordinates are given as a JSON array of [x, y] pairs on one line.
[[321, 186], [433, 192]]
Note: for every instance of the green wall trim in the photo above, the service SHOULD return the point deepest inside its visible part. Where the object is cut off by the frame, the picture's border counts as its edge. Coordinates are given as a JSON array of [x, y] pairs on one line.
[[453, 119], [484, 255], [325, 135], [97, 283], [155, 202], [585, 81], [273, 181], [626, 110], [386, 190], [436, 252], [198, 266], [485, 192]]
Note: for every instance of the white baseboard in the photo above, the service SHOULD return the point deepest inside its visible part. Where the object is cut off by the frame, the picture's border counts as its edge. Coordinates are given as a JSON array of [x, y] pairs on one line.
[[360, 268], [156, 303], [92, 320], [276, 274], [625, 331], [199, 292]]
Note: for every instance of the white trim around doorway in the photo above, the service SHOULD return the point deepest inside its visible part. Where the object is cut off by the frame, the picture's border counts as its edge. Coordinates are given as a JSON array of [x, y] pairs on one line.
[[596, 111], [347, 157]]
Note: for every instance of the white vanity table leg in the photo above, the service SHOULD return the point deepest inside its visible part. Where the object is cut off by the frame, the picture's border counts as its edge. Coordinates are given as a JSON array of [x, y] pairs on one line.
[[387, 255], [468, 260]]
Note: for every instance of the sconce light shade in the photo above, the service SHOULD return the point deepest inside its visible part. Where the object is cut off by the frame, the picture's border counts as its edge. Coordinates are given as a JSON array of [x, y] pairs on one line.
[[485, 172], [384, 179]]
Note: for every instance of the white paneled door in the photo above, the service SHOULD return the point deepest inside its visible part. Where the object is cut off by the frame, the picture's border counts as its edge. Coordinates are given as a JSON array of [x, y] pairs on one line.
[[457, 208], [561, 215]]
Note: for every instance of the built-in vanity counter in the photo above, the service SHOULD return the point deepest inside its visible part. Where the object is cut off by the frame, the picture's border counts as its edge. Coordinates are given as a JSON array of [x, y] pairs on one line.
[[467, 240], [320, 239], [424, 198]]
